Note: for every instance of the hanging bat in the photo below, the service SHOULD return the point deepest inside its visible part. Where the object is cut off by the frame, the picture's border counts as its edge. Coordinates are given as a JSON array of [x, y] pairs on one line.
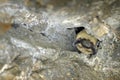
[[86, 43]]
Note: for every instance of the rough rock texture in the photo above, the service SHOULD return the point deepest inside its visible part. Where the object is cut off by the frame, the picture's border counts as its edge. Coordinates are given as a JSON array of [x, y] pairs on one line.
[[39, 47]]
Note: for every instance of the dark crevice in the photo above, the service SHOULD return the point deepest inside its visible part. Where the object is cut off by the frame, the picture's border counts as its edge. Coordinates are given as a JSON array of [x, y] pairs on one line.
[[78, 29]]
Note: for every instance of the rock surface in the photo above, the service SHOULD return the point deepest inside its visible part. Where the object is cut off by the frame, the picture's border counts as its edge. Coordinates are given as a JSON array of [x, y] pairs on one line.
[[40, 47]]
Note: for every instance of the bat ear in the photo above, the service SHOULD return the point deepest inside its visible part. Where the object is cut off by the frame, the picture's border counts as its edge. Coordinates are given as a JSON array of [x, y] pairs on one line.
[[76, 42], [75, 47]]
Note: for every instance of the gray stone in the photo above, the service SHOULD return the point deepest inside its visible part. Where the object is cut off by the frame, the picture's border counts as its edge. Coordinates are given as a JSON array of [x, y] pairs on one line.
[[40, 48]]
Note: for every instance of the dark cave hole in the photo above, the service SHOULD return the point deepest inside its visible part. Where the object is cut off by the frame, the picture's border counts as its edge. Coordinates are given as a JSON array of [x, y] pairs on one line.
[[78, 29]]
